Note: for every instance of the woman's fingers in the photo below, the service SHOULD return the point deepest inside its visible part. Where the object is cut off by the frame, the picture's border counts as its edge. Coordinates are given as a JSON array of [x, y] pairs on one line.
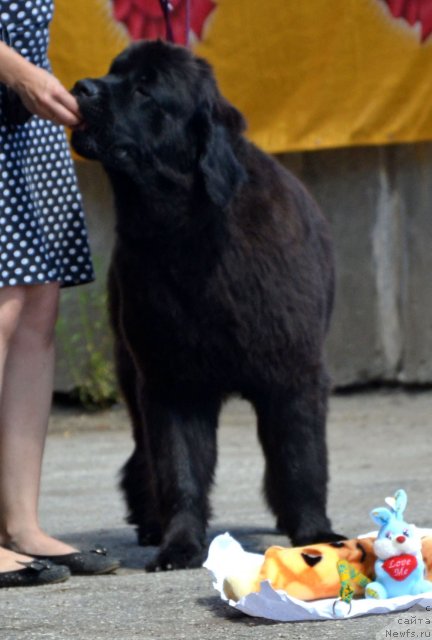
[[62, 104], [45, 96], [62, 115], [69, 102]]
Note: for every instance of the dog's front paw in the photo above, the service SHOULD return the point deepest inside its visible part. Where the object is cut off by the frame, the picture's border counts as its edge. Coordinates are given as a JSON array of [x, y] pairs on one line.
[[301, 540], [179, 554], [332, 537]]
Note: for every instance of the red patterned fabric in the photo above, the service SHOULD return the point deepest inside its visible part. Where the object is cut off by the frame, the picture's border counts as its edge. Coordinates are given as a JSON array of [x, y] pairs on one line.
[[144, 18], [414, 11]]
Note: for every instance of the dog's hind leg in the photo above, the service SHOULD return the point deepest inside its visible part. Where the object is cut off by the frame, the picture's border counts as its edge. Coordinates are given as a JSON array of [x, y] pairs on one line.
[[138, 479], [184, 437], [291, 428]]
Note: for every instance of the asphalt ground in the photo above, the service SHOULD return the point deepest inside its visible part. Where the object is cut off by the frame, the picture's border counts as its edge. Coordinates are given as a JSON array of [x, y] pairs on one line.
[[378, 442]]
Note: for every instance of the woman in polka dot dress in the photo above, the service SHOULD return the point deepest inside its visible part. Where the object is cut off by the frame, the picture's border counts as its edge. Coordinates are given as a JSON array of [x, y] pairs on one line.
[[43, 246]]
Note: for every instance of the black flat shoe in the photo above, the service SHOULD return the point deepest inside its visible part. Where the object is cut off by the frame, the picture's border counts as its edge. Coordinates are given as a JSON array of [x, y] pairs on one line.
[[81, 563], [35, 573]]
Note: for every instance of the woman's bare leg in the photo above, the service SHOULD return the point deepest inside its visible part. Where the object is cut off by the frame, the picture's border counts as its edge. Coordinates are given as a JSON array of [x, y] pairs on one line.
[[27, 323]]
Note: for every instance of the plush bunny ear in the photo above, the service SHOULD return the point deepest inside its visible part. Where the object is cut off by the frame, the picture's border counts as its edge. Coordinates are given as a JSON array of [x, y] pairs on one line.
[[381, 516], [401, 500], [397, 503]]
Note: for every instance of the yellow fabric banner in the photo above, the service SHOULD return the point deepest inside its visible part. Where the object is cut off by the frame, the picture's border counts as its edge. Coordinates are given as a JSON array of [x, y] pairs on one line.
[[84, 39], [307, 74]]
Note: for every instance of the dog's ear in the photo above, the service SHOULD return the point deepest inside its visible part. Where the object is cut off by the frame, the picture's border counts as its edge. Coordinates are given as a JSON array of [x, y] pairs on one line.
[[219, 125], [230, 116]]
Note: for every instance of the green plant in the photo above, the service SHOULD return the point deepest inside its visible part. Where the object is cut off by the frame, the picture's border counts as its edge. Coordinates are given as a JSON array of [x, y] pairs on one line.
[[86, 346]]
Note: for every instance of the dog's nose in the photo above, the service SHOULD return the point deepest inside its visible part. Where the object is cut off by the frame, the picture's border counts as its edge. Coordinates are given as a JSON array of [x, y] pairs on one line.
[[86, 88], [400, 539]]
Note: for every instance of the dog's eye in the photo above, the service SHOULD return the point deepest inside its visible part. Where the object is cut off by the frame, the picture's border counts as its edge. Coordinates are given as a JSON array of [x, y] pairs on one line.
[[121, 153], [142, 92]]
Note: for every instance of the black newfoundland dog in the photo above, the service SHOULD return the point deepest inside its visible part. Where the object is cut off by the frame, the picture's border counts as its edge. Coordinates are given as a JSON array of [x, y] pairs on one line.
[[221, 283]]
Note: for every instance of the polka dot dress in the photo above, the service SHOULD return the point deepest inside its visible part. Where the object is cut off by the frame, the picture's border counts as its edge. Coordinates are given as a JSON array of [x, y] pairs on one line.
[[43, 237]]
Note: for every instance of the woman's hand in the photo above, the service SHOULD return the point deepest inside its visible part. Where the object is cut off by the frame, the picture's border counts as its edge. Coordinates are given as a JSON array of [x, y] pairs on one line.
[[46, 97], [40, 92]]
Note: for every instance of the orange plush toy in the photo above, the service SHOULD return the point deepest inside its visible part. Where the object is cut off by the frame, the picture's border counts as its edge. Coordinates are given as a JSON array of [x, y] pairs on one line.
[[310, 573]]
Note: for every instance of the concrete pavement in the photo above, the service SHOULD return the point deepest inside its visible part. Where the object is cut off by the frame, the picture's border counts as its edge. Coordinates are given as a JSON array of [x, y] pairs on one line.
[[378, 442]]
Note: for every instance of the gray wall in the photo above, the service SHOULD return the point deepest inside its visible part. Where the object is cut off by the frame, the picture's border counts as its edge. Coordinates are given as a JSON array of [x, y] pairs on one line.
[[379, 203]]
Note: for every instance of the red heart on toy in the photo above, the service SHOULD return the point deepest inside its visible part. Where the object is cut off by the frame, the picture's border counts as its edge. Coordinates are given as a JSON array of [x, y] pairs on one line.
[[400, 567]]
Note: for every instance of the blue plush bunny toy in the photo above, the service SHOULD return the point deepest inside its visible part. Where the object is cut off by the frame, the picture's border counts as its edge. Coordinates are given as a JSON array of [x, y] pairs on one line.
[[399, 568]]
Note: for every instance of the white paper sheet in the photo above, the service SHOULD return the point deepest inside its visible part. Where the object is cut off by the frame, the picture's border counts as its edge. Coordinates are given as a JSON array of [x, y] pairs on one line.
[[226, 553]]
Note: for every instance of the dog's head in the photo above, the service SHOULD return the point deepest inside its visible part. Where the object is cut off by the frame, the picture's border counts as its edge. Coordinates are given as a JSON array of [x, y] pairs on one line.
[[159, 107]]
